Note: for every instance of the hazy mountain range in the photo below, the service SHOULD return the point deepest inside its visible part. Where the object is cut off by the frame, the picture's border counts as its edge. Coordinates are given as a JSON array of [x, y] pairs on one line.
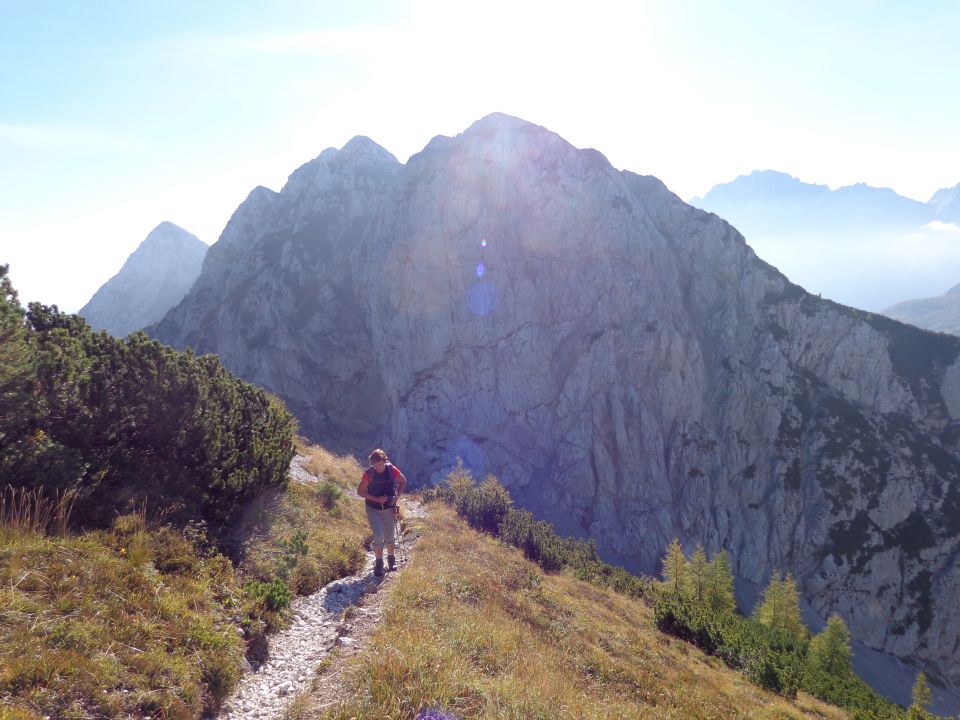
[[624, 362], [153, 279], [859, 245], [940, 313]]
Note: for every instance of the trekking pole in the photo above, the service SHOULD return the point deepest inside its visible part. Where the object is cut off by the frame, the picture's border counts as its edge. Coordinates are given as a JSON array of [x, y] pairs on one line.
[[398, 535], [398, 538]]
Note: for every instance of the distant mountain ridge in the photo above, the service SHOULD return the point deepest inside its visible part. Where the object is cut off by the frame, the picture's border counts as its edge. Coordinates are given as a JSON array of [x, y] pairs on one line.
[[946, 204], [940, 313], [859, 245], [767, 200], [153, 279]]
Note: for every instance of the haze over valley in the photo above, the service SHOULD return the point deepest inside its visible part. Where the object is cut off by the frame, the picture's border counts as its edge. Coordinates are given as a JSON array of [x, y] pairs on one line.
[[862, 246]]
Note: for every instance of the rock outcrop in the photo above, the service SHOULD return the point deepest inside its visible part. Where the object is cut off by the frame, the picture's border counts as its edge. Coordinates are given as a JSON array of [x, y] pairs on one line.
[[622, 361], [154, 278]]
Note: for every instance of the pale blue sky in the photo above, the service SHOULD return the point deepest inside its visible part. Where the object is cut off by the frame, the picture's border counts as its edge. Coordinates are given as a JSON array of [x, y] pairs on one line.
[[115, 116]]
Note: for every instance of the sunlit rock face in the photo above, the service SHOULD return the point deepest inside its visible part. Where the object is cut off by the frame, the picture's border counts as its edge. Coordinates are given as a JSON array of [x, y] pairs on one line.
[[153, 279], [622, 361]]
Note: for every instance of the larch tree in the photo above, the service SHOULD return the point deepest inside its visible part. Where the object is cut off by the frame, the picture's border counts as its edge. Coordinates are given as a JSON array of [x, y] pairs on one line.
[[922, 696], [792, 620], [830, 649], [675, 570], [698, 576], [780, 608], [720, 595]]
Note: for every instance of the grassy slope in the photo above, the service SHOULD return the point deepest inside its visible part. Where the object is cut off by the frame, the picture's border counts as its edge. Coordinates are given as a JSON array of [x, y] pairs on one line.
[[131, 622], [334, 534], [89, 626], [471, 627]]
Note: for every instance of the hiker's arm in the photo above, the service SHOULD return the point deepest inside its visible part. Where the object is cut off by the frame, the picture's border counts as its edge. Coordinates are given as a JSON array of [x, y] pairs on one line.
[[401, 481]]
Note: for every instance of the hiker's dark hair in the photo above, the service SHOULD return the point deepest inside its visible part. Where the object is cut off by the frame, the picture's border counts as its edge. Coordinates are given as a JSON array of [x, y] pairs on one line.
[[378, 455]]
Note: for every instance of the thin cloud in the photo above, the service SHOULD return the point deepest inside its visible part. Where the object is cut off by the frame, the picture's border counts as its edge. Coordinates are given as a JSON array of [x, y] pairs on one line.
[[942, 227], [60, 137], [279, 43]]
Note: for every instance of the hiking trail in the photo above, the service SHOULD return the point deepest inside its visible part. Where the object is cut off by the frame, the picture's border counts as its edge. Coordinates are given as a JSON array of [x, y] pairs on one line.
[[320, 623]]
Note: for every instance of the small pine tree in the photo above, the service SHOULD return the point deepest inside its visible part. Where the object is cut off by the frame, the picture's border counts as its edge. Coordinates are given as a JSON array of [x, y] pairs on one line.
[[830, 649], [922, 697], [697, 576], [675, 570], [720, 595]]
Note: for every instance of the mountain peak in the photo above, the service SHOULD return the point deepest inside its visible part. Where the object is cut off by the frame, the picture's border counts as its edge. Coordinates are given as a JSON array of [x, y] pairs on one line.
[[358, 151], [501, 121], [362, 146], [170, 236], [154, 278]]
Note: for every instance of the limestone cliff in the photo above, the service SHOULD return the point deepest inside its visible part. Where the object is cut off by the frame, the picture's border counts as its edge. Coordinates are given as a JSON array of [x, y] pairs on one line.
[[623, 361]]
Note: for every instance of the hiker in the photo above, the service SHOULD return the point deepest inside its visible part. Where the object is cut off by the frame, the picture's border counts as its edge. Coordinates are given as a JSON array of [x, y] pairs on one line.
[[381, 486]]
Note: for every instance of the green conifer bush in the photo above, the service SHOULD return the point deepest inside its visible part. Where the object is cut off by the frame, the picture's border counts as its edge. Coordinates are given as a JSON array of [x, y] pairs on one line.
[[123, 423]]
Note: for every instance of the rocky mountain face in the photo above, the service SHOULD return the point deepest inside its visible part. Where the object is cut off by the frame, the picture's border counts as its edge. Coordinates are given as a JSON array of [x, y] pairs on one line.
[[624, 362], [863, 246], [153, 279]]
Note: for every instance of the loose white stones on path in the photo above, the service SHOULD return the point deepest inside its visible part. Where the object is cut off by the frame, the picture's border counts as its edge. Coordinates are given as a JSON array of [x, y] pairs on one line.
[[317, 624]]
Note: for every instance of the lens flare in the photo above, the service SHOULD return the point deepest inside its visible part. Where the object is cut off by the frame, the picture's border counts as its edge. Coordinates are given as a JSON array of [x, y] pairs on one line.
[[480, 269], [481, 299], [483, 243]]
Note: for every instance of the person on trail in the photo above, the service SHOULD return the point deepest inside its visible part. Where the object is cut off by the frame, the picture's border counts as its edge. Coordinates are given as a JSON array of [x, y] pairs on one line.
[[381, 486]]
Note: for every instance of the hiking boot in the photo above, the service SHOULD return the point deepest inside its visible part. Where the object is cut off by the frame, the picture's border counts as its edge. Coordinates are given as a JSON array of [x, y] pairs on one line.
[[391, 562], [378, 568]]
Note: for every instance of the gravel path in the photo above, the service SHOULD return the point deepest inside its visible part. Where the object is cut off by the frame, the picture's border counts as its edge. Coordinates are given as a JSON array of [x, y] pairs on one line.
[[318, 625]]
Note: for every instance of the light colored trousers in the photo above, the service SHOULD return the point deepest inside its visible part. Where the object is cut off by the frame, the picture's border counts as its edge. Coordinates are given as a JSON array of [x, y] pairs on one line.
[[381, 524]]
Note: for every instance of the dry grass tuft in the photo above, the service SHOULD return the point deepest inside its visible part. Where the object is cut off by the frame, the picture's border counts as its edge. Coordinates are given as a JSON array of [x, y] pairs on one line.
[[342, 469], [30, 511]]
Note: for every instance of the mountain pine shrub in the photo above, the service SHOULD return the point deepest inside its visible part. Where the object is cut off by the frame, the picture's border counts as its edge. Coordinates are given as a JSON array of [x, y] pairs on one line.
[[488, 507], [123, 423]]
